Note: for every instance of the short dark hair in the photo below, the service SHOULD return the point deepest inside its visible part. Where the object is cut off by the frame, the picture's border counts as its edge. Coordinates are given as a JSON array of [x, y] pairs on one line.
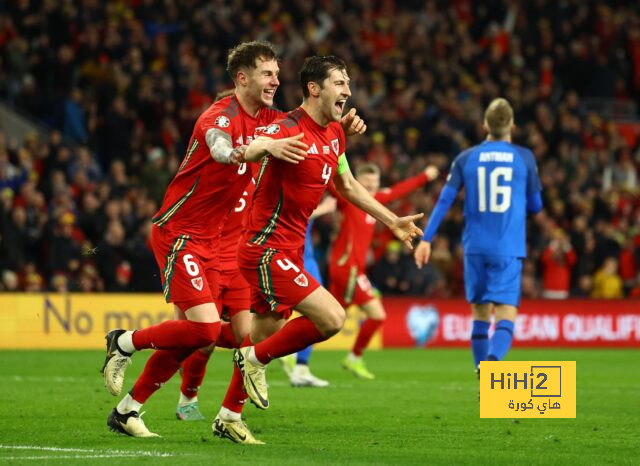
[[246, 54], [317, 69]]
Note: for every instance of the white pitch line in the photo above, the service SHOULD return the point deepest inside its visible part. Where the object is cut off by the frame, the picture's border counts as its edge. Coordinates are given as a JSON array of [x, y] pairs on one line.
[[52, 457], [85, 450]]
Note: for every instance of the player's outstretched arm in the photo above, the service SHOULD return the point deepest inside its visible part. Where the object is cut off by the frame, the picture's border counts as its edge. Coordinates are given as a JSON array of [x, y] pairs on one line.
[[290, 149], [352, 123], [222, 149], [403, 228]]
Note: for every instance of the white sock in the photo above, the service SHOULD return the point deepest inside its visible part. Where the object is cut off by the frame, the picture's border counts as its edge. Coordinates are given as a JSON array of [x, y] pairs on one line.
[[228, 415], [185, 399], [354, 358], [251, 356], [128, 404], [125, 342]]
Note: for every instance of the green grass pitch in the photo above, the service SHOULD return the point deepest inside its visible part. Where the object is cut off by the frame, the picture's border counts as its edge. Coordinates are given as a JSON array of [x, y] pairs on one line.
[[421, 409]]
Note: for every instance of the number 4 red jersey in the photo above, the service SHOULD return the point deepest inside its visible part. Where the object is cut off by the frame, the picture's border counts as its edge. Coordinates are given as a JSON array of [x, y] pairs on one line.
[[203, 191], [286, 194]]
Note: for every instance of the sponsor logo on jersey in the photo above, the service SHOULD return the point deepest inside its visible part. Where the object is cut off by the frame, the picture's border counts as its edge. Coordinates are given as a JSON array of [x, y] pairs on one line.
[[313, 149], [325, 150], [301, 280], [335, 145], [272, 129], [197, 283], [222, 121]]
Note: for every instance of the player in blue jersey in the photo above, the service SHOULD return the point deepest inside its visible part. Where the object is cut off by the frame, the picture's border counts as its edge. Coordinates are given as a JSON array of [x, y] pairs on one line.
[[501, 185], [297, 365]]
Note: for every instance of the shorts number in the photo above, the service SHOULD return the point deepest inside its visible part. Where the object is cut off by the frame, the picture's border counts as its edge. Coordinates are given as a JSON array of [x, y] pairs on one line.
[[191, 266], [286, 264], [242, 168], [242, 203], [495, 189], [326, 173]]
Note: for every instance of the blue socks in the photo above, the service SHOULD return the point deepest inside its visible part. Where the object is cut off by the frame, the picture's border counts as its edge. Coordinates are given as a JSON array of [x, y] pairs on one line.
[[501, 340], [480, 341], [304, 355]]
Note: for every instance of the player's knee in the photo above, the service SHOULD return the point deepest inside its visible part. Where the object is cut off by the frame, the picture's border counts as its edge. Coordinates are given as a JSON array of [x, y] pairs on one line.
[[333, 321], [204, 333]]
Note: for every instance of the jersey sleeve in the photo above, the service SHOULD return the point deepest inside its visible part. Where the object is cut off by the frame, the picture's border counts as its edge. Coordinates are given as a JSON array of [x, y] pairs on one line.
[[219, 122], [276, 130], [401, 189], [455, 179], [533, 180]]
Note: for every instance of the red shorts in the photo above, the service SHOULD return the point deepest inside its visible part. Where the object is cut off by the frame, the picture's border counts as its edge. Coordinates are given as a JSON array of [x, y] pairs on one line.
[[234, 293], [186, 268], [277, 278], [349, 287]]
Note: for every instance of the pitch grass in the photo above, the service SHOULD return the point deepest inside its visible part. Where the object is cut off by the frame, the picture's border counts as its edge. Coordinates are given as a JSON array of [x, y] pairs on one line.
[[421, 409]]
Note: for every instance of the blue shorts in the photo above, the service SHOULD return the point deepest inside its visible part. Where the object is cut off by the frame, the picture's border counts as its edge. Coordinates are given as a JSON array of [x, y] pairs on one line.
[[492, 279], [311, 266]]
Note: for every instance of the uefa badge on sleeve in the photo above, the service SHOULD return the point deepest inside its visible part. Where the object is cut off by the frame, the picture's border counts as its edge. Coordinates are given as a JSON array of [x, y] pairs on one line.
[[528, 389]]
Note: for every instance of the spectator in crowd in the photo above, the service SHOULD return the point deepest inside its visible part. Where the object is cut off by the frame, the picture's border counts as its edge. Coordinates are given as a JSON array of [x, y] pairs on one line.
[[607, 283], [557, 261]]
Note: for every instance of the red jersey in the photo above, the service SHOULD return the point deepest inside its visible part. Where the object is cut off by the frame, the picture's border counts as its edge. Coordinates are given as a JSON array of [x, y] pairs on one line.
[[232, 226], [357, 227], [286, 194], [203, 191]]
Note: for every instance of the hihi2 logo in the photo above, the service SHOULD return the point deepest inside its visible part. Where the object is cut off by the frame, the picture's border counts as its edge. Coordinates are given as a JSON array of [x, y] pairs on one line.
[[528, 389]]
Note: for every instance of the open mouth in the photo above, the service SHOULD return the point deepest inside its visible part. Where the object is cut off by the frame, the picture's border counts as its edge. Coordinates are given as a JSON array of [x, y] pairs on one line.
[[269, 93], [339, 105]]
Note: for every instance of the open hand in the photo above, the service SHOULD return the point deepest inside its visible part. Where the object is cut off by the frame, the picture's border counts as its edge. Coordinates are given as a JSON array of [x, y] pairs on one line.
[[405, 230], [290, 149]]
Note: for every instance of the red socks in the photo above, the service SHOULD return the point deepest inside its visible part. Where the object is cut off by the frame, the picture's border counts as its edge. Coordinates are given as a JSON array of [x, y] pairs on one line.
[[226, 339], [177, 334], [236, 396], [159, 369], [193, 370], [367, 330], [296, 335]]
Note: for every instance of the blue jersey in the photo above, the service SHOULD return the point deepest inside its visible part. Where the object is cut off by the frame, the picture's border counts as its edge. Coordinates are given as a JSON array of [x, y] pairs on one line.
[[501, 181]]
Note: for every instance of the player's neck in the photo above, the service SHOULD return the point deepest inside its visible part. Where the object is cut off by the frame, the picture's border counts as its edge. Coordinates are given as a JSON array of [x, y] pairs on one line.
[[249, 105], [504, 139], [315, 113]]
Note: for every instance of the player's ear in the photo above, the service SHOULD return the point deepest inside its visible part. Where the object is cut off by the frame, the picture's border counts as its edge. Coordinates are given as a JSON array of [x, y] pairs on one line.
[[314, 88], [485, 127], [241, 78]]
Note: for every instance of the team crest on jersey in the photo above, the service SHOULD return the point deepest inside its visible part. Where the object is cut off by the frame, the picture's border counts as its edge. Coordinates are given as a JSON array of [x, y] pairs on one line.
[[272, 129], [197, 283], [335, 145], [222, 121], [301, 280]]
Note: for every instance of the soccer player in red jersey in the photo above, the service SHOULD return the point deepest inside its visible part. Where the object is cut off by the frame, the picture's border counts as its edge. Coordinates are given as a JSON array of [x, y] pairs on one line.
[[347, 279], [207, 185], [270, 253]]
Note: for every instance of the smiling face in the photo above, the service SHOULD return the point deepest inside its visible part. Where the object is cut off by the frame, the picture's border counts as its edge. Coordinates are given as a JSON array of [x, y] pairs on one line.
[[334, 92], [260, 83]]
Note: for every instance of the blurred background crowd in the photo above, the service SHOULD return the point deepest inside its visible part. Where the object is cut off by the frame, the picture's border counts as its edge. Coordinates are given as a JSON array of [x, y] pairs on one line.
[[119, 84]]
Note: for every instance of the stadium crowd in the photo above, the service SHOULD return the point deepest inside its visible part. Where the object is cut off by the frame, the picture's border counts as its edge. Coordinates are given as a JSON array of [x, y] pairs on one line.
[[120, 84]]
